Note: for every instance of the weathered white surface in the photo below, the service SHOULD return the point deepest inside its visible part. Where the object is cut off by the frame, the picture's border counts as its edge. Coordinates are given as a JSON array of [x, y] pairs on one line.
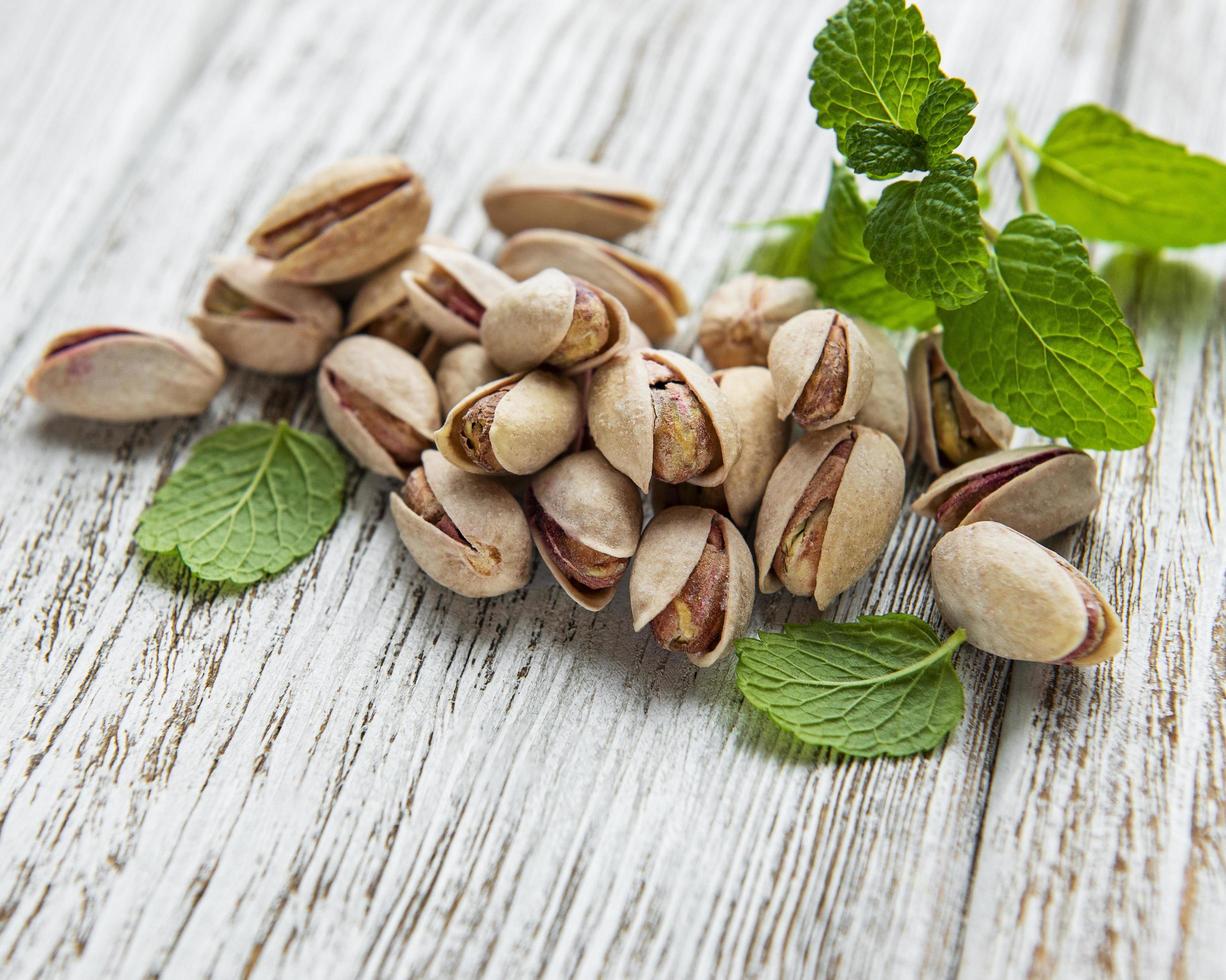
[[347, 771]]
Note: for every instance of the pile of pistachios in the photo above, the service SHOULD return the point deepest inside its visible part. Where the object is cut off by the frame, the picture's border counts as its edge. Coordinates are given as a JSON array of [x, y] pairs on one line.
[[533, 403]]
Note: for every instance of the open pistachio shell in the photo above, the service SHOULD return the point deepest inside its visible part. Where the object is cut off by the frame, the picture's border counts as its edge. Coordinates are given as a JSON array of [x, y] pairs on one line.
[[1038, 490], [345, 221], [739, 318], [121, 374], [822, 367], [1017, 599], [670, 577], [533, 421], [623, 419], [652, 298], [452, 294], [849, 524], [541, 318], [492, 553], [951, 426], [585, 519], [379, 401], [750, 393], [888, 406], [569, 195], [461, 371]]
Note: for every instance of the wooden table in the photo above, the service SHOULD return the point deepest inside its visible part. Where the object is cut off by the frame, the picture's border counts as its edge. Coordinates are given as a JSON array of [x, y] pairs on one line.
[[347, 771]]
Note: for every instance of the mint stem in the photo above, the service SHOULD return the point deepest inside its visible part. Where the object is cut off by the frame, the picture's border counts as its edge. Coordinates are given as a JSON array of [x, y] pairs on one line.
[[990, 231], [1014, 140]]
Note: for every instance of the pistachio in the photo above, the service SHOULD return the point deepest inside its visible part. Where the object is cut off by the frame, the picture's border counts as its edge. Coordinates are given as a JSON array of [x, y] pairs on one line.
[[463, 370], [822, 367], [888, 406], [121, 374], [556, 320], [345, 221], [828, 512], [739, 318], [657, 413], [453, 292], [693, 582], [951, 426], [465, 532], [380, 402], [572, 196], [513, 425], [1038, 490], [1017, 599], [585, 519], [652, 298]]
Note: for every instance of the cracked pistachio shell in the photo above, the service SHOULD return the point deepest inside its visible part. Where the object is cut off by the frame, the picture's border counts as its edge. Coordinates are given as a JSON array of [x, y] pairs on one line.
[[568, 195], [402, 393], [750, 394], [992, 427], [794, 356], [653, 299], [621, 416], [120, 374], [739, 318], [266, 324], [535, 422], [474, 283], [461, 371], [345, 221], [888, 406], [1038, 491], [497, 557], [594, 505], [1017, 599], [528, 322], [862, 516], [669, 552]]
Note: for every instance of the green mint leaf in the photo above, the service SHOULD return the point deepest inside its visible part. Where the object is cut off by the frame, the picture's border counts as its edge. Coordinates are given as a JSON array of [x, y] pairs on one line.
[[875, 63], [1048, 344], [883, 685], [784, 252], [945, 117], [882, 150], [842, 271], [927, 235], [251, 499]]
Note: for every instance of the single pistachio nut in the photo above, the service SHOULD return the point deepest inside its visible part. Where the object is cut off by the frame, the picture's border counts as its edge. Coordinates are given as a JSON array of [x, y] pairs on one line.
[[555, 320], [266, 324], [950, 425], [585, 519], [466, 532], [380, 402], [750, 393], [653, 299], [461, 371], [121, 374], [693, 582], [517, 425], [888, 406], [1038, 490], [739, 318], [828, 512], [453, 292], [657, 413], [568, 195], [822, 367], [1017, 599], [345, 221]]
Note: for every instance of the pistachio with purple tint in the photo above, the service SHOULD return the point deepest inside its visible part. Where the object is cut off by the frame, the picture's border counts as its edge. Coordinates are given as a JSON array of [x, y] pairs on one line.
[[888, 406], [121, 374], [739, 318], [453, 291], [1017, 599], [461, 371], [822, 368], [692, 581]]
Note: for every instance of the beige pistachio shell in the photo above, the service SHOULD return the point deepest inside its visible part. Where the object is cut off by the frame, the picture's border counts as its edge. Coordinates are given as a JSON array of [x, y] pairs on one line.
[[394, 380], [862, 515], [568, 195], [480, 280], [888, 406], [636, 339], [535, 422], [667, 554], [345, 221], [739, 318], [652, 298], [1017, 599], [461, 371], [525, 325], [795, 351], [750, 394], [489, 518], [121, 374], [381, 304]]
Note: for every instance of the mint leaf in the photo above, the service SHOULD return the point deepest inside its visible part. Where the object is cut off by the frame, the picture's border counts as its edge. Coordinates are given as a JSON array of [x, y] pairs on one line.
[[883, 685], [785, 250], [928, 238], [1048, 344], [875, 63], [882, 150], [251, 499], [1117, 183], [945, 117]]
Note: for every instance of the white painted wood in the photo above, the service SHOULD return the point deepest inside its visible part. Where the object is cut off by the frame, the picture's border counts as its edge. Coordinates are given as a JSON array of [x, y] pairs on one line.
[[347, 771]]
